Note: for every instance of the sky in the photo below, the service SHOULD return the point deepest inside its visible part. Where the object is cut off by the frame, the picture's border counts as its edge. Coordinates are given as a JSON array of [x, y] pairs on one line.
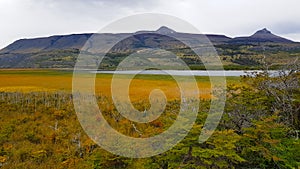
[[39, 18]]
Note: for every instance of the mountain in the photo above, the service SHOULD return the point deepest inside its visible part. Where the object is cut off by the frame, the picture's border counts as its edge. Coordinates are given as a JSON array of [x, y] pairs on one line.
[[76, 41], [61, 51], [165, 30], [261, 36], [47, 43], [162, 30]]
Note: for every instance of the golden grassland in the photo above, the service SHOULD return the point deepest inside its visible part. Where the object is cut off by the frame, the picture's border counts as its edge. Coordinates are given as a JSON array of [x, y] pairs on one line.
[[61, 80]]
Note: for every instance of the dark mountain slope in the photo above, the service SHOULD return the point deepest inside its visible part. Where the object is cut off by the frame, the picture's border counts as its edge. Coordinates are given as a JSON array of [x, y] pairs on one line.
[[62, 51], [261, 36], [48, 43]]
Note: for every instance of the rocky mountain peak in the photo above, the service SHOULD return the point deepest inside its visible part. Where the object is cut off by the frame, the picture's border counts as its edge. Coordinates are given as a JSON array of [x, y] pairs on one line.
[[264, 31], [165, 30]]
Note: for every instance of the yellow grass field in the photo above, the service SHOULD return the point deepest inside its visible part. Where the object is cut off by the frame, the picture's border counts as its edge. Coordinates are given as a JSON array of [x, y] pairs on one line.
[[61, 80]]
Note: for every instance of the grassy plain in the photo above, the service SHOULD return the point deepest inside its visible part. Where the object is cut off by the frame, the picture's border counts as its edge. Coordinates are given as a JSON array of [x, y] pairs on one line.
[[41, 129], [57, 80]]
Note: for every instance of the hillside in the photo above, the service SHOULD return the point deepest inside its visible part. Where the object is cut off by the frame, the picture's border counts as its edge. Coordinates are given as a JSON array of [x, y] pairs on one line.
[[61, 51], [261, 36]]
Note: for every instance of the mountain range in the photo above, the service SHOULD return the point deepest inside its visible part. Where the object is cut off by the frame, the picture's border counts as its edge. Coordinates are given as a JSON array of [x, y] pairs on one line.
[[60, 51]]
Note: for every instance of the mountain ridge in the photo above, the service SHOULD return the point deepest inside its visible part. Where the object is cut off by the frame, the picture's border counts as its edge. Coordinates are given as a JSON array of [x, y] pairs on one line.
[[77, 40], [263, 35], [60, 51]]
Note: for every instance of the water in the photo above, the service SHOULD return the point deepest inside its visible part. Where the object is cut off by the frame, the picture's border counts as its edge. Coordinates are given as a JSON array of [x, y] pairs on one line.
[[235, 73]]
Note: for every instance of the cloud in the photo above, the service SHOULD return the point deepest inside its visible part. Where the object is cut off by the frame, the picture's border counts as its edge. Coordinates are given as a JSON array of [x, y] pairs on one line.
[[36, 18], [287, 27]]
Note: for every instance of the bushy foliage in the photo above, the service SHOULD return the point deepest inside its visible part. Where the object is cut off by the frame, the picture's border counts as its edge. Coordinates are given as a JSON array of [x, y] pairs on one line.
[[258, 130]]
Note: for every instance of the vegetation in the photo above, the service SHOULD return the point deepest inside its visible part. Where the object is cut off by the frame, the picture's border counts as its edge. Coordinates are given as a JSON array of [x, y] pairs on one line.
[[233, 56], [259, 128]]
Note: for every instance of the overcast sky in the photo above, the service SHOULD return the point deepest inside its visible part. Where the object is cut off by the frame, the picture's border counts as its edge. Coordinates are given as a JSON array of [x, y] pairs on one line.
[[39, 18]]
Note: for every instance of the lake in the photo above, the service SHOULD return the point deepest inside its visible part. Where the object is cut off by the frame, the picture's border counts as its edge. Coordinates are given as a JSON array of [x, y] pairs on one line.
[[228, 73]]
